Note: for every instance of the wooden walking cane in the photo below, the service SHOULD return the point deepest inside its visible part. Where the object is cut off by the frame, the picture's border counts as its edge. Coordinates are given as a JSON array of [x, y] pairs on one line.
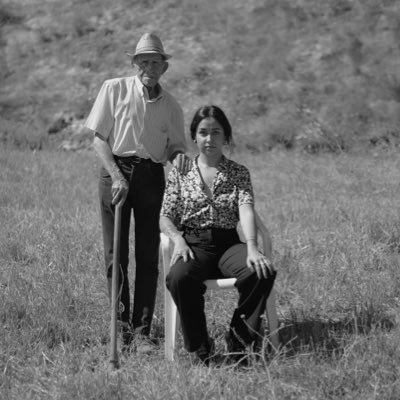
[[115, 287]]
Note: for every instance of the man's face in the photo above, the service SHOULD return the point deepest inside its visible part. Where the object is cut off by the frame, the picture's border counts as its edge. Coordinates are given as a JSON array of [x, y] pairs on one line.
[[150, 68]]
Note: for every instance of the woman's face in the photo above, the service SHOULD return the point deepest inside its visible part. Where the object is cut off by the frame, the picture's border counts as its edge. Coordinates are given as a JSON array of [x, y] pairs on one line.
[[210, 137]]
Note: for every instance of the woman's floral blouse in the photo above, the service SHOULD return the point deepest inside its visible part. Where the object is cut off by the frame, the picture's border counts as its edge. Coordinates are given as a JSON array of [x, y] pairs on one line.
[[187, 204]]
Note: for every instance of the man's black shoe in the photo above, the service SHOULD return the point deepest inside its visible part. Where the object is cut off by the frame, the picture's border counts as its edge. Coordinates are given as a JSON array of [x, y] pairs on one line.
[[145, 345], [126, 335], [205, 352]]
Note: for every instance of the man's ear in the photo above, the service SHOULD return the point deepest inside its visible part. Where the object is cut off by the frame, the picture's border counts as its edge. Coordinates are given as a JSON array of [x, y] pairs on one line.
[[166, 65]]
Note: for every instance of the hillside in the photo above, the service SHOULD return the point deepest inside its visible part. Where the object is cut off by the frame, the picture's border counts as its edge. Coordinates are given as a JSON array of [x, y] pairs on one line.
[[306, 73]]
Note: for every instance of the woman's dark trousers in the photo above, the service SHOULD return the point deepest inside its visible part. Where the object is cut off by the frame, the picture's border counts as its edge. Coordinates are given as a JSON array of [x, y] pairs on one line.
[[146, 188], [218, 254]]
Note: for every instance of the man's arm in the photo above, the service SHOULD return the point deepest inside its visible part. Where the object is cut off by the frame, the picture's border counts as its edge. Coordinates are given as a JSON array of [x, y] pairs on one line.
[[177, 147], [120, 185]]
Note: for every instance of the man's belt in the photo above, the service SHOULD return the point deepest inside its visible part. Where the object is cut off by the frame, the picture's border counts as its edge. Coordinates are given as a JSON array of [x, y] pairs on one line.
[[132, 160]]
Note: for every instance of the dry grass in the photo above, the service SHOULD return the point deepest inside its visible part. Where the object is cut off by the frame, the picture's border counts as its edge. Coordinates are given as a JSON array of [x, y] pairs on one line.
[[334, 223]]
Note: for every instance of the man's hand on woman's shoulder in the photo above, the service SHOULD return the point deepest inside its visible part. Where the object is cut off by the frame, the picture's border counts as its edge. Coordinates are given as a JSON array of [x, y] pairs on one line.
[[182, 163]]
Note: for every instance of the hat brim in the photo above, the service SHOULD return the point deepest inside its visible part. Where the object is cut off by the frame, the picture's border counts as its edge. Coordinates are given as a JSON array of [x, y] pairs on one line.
[[133, 55]]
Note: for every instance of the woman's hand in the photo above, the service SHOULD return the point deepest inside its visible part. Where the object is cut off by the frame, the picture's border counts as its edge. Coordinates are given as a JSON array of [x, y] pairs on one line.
[[181, 250], [259, 263]]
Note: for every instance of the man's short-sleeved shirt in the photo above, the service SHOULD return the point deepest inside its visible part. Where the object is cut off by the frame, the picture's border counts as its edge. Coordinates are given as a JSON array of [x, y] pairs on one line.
[[187, 204], [135, 125]]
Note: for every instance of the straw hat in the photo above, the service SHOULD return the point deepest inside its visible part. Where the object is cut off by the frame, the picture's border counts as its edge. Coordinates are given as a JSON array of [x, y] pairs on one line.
[[149, 43]]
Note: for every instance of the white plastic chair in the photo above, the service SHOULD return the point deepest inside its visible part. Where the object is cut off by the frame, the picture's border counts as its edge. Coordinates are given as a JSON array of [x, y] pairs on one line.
[[171, 317]]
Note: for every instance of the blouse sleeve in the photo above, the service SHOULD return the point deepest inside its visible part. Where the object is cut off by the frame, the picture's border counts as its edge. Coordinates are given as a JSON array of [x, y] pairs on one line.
[[246, 195], [171, 206]]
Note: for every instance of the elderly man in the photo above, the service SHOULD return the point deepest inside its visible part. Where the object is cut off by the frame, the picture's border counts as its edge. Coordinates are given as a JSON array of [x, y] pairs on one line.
[[138, 127]]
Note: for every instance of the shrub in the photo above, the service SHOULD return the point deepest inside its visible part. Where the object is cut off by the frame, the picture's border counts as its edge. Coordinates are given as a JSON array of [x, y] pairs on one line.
[[21, 135]]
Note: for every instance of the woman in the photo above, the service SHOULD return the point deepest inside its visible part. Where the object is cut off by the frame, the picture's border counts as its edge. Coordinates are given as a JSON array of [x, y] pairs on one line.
[[200, 213]]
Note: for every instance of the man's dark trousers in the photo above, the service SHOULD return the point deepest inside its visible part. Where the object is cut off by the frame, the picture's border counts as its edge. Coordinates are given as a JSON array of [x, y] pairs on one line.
[[146, 188]]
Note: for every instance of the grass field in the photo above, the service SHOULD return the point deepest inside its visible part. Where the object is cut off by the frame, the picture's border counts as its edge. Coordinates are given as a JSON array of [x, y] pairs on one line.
[[335, 225], [302, 74]]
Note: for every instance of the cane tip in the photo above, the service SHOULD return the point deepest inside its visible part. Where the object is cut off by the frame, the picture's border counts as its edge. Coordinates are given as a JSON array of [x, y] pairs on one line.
[[113, 366]]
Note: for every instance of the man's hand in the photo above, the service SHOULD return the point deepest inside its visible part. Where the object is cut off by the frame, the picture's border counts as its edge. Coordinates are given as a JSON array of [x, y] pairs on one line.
[[182, 163], [119, 191], [120, 186]]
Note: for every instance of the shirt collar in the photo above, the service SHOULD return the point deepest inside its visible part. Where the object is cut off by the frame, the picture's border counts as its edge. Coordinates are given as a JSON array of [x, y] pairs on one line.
[[222, 170], [143, 90], [222, 166]]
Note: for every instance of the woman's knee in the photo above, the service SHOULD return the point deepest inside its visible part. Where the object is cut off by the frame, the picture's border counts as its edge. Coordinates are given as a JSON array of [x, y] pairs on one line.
[[180, 278], [251, 281], [176, 276]]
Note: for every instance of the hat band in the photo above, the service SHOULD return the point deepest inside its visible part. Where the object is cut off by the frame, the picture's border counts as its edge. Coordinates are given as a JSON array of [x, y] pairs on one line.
[[151, 49]]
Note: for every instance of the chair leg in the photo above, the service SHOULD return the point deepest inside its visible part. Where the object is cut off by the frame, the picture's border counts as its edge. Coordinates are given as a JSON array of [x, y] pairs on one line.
[[171, 317], [272, 320], [171, 322]]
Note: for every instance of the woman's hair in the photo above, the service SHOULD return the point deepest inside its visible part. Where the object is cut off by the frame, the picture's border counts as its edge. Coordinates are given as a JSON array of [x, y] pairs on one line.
[[211, 112]]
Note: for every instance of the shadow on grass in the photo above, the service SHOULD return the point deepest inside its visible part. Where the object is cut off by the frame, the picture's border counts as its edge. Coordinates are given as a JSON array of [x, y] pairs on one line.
[[327, 336]]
